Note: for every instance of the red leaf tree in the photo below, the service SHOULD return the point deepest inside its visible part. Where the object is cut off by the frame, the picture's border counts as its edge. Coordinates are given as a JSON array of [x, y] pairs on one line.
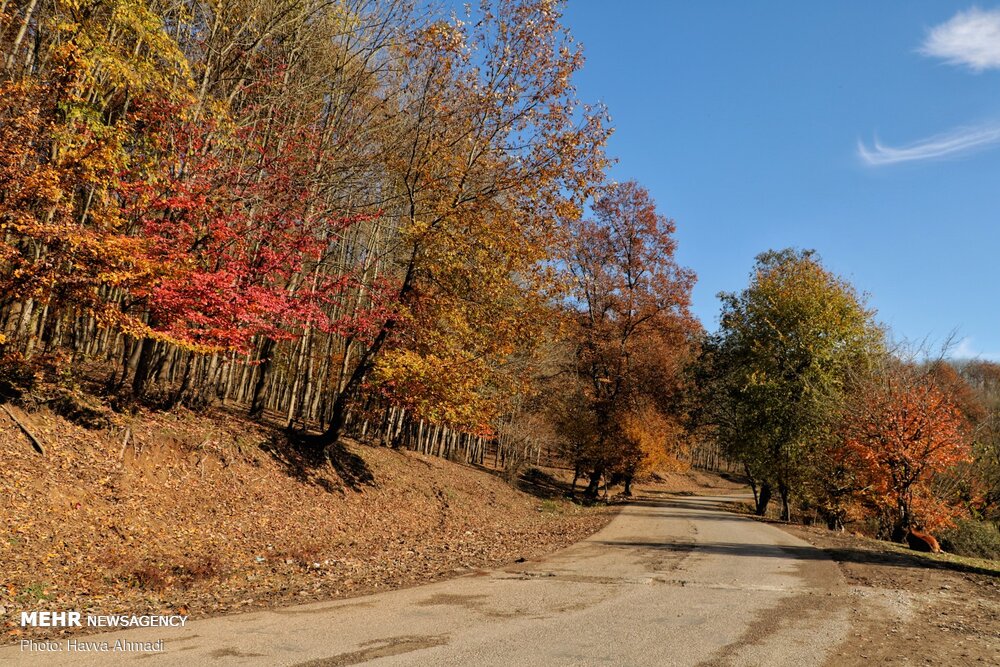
[[900, 431]]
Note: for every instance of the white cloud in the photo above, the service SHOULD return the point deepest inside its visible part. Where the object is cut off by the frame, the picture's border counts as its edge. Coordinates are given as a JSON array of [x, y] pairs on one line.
[[966, 350], [956, 142], [970, 38]]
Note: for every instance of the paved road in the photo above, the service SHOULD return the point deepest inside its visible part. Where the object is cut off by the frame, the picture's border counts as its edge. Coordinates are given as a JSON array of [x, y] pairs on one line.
[[670, 581]]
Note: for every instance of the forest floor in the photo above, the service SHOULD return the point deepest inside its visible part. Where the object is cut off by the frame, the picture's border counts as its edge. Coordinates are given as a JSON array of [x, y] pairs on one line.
[[936, 609], [181, 513]]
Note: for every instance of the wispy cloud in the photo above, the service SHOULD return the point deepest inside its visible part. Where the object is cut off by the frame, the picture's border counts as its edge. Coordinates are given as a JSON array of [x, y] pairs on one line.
[[950, 144], [970, 38], [966, 350]]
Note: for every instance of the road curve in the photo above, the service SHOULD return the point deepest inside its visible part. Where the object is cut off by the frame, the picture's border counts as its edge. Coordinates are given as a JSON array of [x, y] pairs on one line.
[[670, 581]]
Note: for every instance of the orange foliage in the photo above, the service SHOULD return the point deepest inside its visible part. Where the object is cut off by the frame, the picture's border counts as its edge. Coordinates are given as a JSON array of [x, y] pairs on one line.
[[900, 432], [47, 252]]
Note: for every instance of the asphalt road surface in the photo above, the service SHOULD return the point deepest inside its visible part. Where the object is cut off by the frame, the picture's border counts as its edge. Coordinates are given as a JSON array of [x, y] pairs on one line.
[[670, 581]]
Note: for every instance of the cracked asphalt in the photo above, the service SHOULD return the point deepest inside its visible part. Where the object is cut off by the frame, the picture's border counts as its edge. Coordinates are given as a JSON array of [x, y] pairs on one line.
[[672, 580]]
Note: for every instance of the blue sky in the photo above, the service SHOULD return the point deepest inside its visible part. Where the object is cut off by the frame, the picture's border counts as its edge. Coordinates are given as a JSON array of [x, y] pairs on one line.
[[869, 131]]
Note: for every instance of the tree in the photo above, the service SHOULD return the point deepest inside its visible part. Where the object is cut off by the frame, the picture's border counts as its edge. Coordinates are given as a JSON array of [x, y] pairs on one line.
[[900, 429], [785, 347], [629, 301], [492, 151], [983, 378], [74, 108], [313, 208]]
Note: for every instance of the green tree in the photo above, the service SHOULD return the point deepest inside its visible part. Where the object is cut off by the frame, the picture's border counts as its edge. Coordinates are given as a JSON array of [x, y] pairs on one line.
[[784, 351]]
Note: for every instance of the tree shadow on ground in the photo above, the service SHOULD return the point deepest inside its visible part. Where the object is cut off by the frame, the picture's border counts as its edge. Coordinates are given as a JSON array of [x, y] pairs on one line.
[[304, 457], [540, 484], [709, 508], [734, 477], [803, 552]]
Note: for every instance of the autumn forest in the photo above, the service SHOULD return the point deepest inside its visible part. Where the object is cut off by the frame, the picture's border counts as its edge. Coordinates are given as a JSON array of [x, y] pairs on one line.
[[377, 221]]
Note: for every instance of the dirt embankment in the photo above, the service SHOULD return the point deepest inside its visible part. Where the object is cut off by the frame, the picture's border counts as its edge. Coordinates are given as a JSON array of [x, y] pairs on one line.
[[930, 609], [181, 513], [938, 609]]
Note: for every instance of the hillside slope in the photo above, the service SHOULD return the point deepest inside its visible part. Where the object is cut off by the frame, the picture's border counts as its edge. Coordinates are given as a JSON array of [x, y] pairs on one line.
[[207, 514]]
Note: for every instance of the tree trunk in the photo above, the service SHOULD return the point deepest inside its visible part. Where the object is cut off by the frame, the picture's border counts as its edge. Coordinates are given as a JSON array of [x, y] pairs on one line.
[[901, 525], [786, 514], [143, 367], [340, 405], [257, 399], [763, 499], [753, 484], [595, 482]]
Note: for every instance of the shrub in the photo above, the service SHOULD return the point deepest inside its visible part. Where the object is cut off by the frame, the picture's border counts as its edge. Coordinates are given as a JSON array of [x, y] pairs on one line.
[[81, 409], [161, 576], [16, 377], [980, 539]]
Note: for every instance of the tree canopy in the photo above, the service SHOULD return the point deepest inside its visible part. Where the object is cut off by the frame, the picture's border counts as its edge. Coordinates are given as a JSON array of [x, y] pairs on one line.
[[782, 357]]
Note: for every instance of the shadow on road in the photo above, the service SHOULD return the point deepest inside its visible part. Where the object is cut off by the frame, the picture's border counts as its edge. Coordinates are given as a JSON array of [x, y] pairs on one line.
[[795, 552], [709, 508]]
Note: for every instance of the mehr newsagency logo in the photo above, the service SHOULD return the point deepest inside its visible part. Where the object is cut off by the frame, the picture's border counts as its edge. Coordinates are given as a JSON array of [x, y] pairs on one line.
[[75, 619]]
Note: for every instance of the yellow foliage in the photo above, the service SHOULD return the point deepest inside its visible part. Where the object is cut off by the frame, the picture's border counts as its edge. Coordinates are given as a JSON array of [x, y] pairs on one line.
[[653, 441]]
